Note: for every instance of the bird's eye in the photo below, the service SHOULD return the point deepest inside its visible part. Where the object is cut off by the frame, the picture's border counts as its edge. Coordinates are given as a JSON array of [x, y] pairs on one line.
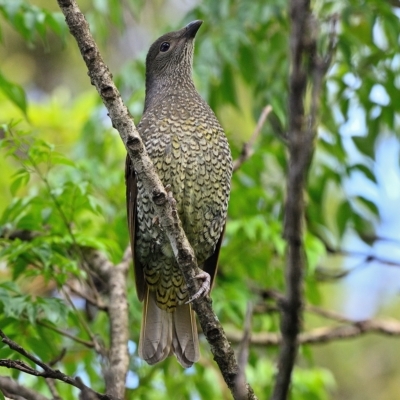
[[164, 46]]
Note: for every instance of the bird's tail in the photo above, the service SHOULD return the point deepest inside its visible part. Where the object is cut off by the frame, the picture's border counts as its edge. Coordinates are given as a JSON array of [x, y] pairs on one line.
[[164, 333]]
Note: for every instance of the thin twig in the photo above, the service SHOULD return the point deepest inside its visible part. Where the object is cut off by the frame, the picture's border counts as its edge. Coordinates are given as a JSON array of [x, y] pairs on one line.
[[14, 346], [247, 149], [85, 343], [86, 393], [98, 303], [25, 235], [325, 274], [387, 327], [47, 372], [51, 384], [279, 298], [66, 222], [243, 353], [97, 345], [58, 358], [10, 388]]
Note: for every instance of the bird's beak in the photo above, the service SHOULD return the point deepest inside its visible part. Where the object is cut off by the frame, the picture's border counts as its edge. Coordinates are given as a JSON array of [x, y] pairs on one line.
[[192, 28]]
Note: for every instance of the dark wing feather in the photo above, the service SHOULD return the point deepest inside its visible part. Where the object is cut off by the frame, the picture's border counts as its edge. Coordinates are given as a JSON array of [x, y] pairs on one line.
[[211, 264], [131, 193]]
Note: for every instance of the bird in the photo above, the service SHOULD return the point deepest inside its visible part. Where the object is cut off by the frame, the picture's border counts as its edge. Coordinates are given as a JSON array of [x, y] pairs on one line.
[[191, 155]]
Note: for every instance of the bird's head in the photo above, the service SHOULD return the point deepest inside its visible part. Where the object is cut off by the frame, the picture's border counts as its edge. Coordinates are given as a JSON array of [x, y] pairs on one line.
[[170, 56]]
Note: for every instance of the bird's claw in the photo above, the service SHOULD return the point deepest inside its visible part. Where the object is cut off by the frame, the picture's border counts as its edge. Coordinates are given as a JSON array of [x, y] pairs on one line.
[[204, 288], [170, 195]]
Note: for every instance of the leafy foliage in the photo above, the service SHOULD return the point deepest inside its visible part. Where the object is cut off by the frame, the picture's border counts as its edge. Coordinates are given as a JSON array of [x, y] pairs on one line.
[[14, 92], [64, 171], [31, 21]]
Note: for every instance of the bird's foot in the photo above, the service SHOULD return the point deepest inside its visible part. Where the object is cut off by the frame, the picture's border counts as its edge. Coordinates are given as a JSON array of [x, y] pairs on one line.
[[204, 288], [170, 196]]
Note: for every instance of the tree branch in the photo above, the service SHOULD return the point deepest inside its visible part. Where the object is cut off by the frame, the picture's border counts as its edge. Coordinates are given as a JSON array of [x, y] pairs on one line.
[[97, 344], [348, 329], [300, 150], [305, 63], [66, 334], [247, 149], [243, 353], [115, 276], [98, 303], [47, 372], [10, 387], [118, 356], [53, 389], [387, 327], [100, 77], [325, 274]]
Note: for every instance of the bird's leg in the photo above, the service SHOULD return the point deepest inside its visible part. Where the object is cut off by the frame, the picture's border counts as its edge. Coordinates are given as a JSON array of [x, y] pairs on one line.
[[204, 288], [170, 196]]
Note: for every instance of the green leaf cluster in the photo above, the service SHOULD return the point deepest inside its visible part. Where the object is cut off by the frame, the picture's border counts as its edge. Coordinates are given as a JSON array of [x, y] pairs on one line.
[[31, 21]]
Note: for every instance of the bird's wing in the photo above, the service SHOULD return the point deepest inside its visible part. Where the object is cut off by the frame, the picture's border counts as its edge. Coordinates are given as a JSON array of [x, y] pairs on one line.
[[131, 193], [211, 264]]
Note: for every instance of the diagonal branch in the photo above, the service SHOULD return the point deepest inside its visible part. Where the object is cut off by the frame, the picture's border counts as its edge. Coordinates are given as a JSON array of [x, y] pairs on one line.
[[11, 387], [347, 329], [47, 372], [247, 149], [101, 78], [15, 346], [325, 274], [326, 334]]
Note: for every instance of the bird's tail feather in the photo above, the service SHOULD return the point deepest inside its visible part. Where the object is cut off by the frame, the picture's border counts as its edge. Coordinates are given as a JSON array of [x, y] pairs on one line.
[[164, 333], [185, 341]]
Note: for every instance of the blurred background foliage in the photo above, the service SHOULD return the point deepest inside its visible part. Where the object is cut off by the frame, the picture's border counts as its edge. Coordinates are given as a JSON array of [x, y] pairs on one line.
[[62, 182]]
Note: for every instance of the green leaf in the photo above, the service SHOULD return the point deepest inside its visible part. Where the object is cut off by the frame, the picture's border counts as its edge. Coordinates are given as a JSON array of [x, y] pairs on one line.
[[29, 20], [21, 178], [10, 286], [371, 206], [344, 215], [227, 86], [6, 352], [315, 249], [56, 21], [15, 93], [365, 170], [363, 226], [365, 144], [59, 158], [54, 310]]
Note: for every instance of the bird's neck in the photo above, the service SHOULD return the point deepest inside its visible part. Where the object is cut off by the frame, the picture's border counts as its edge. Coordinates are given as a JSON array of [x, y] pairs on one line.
[[157, 90]]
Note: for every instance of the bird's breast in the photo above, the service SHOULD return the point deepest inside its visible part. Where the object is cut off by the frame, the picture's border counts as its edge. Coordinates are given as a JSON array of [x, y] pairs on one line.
[[191, 155]]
